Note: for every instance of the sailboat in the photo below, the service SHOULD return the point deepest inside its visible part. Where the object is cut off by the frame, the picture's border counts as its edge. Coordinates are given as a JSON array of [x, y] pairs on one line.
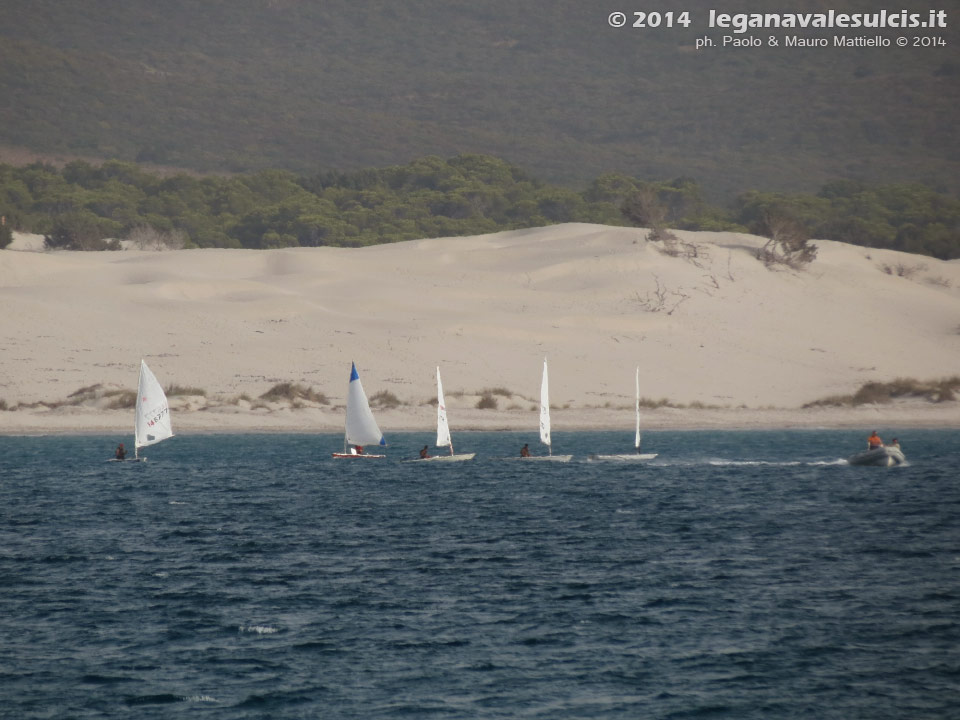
[[636, 443], [152, 421], [443, 432], [361, 429], [545, 422]]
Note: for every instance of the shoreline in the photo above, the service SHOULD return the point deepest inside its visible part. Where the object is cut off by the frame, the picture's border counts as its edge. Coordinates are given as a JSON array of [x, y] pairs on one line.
[[893, 417]]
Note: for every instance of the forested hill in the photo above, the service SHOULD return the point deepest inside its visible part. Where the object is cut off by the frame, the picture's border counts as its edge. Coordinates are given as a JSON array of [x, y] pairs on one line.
[[86, 207], [308, 86]]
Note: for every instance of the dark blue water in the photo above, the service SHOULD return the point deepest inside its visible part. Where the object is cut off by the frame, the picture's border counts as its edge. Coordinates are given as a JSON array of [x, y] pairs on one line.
[[740, 575]]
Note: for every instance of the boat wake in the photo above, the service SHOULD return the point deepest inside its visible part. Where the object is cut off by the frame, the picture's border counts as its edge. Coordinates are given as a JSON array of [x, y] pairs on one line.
[[723, 462], [775, 463]]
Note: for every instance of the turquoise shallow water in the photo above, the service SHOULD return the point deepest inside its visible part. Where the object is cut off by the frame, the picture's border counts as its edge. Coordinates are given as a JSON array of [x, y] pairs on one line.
[[738, 575]]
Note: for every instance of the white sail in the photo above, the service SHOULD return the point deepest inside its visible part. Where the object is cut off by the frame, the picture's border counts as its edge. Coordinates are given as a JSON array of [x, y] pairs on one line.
[[636, 442], [545, 408], [443, 427], [153, 411], [361, 427]]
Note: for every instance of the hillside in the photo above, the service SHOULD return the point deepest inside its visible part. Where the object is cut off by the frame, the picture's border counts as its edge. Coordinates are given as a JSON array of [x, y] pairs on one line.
[[548, 85]]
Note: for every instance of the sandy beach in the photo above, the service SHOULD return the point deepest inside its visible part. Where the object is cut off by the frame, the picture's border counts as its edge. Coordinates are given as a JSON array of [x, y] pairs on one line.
[[724, 340]]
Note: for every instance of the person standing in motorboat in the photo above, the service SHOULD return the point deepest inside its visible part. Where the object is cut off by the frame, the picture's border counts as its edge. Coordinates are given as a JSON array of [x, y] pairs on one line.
[[874, 441]]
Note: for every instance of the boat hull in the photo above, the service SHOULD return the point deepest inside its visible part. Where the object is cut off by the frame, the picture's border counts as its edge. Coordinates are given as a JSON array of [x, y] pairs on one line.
[[626, 457], [878, 457], [356, 456], [546, 458], [446, 458]]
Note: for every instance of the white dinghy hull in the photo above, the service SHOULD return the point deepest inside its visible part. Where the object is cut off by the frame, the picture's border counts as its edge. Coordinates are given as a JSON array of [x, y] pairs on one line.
[[546, 458], [627, 457], [446, 458]]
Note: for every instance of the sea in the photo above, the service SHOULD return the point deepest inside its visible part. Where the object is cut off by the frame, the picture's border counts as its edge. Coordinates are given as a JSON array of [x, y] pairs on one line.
[[737, 575]]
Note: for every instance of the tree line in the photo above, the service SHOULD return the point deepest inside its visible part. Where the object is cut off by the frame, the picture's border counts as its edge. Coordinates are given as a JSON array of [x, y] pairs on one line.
[[90, 207]]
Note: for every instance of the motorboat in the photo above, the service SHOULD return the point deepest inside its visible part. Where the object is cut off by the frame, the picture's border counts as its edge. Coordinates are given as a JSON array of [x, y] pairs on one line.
[[883, 456]]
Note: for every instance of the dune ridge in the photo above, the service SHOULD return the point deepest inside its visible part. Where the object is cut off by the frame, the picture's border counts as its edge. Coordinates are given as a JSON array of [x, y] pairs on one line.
[[737, 343]]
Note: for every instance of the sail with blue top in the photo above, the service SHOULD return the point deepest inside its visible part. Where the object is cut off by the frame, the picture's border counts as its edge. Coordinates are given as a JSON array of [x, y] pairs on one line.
[[361, 427]]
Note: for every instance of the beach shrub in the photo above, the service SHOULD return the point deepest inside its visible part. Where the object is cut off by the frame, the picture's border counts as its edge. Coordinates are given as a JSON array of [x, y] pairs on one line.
[[943, 390], [86, 394], [174, 390], [385, 400], [121, 399], [645, 209], [903, 270], [6, 235], [787, 240], [147, 237], [487, 402], [293, 392]]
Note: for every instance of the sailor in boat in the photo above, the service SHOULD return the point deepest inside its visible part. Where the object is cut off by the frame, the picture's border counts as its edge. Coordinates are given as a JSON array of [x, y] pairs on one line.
[[121, 452], [525, 450], [359, 449], [874, 441], [423, 453]]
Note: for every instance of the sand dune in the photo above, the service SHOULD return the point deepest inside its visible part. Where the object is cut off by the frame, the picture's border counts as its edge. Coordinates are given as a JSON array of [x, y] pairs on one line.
[[720, 329]]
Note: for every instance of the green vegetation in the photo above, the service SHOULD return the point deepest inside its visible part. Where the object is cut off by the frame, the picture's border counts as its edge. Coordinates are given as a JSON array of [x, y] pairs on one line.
[[87, 207], [943, 390], [80, 205], [911, 218]]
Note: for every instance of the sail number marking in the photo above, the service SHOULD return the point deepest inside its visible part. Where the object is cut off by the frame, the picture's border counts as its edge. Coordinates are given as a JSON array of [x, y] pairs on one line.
[[157, 416]]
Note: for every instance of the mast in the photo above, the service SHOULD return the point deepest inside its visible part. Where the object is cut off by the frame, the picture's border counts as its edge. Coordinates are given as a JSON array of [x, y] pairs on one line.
[[637, 440], [346, 414], [136, 411]]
